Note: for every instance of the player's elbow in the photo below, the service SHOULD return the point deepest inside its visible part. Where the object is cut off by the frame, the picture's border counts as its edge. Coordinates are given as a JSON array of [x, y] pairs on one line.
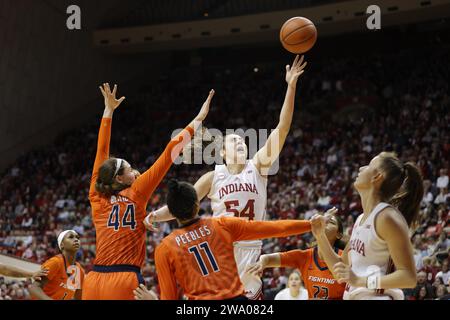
[[411, 280]]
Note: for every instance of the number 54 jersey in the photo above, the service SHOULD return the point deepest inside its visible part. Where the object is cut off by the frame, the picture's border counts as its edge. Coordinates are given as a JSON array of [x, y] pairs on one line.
[[242, 195]]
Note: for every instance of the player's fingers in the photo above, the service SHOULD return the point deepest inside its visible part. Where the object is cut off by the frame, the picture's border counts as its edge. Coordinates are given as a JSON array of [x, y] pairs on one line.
[[121, 99], [301, 67], [337, 271], [298, 74], [334, 209], [102, 91], [108, 88], [301, 60], [288, 68], [295, 61]]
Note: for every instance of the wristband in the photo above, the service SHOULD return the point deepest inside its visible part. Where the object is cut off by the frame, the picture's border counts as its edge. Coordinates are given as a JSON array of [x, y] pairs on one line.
[[373, 282]]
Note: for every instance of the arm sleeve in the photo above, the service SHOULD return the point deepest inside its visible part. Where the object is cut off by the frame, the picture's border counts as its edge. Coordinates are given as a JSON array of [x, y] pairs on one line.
[[255, 230], [293, 258], [150, 179], [53, 267], [166, 276], [104, 138]]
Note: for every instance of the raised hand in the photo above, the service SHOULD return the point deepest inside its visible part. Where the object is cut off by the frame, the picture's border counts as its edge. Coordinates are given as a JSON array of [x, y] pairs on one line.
[[331, 212], [205, 107], [292, 73], [111, 103], [149, 222], [318, 223]]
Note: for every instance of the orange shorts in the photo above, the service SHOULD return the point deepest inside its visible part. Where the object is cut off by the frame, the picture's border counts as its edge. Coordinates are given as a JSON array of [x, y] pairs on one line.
[[110, 285]]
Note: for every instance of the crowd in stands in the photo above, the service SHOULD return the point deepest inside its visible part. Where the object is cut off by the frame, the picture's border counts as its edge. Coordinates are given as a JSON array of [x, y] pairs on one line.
[[347, 111]]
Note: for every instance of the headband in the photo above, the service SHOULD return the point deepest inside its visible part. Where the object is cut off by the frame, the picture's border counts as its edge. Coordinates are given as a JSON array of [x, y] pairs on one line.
[[62, 235], [118, 165]]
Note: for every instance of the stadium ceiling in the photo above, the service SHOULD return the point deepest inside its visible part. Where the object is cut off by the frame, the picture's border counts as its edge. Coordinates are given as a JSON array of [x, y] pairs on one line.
[[151, 12]]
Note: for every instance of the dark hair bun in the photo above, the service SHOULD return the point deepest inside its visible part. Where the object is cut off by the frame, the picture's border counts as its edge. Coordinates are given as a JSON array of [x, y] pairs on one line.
[[174, 186]]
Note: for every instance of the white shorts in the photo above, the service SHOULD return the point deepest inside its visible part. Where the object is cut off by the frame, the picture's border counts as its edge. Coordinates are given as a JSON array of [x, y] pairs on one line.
[[367, 294], [244, 257]]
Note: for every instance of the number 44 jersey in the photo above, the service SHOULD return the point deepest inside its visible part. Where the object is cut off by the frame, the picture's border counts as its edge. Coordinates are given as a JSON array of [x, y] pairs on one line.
[[242, 195]]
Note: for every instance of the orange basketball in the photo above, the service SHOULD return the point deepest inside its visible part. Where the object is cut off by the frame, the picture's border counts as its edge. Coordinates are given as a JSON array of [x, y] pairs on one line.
[[298, 35]]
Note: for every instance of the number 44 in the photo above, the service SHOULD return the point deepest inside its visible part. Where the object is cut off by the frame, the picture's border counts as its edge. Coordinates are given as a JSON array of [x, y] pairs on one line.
[[128, 219]]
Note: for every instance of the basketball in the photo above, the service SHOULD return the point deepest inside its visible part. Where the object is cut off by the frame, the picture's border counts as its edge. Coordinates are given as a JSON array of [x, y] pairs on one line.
[[298, 35]]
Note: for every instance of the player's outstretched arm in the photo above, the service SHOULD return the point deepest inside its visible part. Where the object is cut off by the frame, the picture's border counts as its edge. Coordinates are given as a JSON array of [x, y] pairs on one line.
[[202, 187], [241, 230], [269, 153], [10, 271], [150, 179], [104, 135], [272, 260]]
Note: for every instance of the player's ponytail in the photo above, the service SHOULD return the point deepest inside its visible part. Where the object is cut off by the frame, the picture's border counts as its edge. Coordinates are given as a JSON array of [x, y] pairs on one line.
[[182, 200], [402, 186], [408, 199], [107, 172]]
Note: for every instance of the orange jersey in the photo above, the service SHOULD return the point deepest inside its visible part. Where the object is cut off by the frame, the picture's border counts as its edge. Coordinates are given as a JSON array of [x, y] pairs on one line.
[[63, 280], [316, 277], [118, 220], [200, 257]]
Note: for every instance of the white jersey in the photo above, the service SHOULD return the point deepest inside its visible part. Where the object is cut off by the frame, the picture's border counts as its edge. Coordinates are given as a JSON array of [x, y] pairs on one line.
[[285, 294], [368, 255], [239, 195]]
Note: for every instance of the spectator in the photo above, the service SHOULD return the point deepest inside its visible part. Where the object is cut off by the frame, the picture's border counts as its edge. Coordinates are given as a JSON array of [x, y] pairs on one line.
[[294, 290], [442, 196], [444, 274], [427, 292], [442, 181], [424, 294], [442, 293]]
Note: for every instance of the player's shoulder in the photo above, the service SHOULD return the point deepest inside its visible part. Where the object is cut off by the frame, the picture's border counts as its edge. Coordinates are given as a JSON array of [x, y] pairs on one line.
[[390, 218], [166, 243], [54, 262], [57, 258]]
